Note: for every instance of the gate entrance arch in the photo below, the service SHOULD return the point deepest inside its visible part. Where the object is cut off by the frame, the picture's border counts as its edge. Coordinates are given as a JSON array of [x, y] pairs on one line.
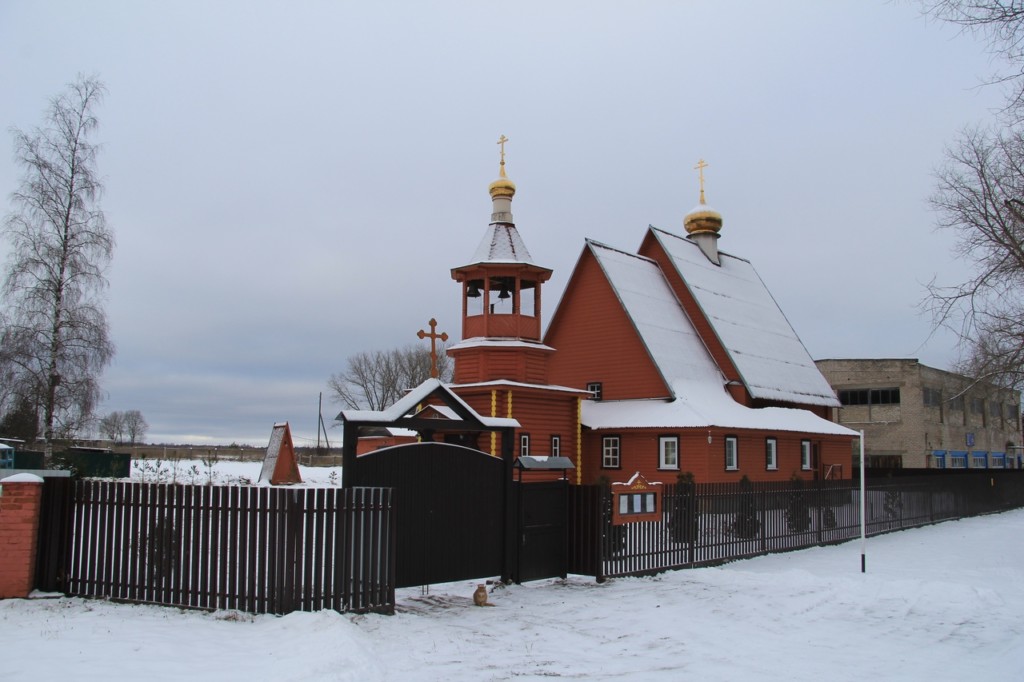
[[455, 515]]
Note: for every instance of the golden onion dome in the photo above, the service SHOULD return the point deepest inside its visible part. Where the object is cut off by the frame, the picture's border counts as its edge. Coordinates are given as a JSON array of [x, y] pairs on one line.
[[703, 219], [502, 187]]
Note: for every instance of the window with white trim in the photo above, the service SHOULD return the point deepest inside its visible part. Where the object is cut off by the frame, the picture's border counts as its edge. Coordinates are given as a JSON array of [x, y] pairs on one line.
[[556, 446], [732, 459], [771, 454], [610, 452], [805, 455], [524, 445], [668, 452], [595, 389]]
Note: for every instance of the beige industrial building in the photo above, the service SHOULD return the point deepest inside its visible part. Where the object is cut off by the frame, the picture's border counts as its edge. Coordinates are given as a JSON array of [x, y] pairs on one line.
[[915, 416]]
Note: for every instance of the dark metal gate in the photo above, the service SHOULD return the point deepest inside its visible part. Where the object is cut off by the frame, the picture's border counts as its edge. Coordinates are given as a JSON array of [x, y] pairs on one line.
[[450, 510], [543, 531]]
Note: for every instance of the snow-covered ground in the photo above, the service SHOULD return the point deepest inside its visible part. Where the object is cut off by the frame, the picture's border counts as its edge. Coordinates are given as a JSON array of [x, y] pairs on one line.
[[221, 472], [944, 602]]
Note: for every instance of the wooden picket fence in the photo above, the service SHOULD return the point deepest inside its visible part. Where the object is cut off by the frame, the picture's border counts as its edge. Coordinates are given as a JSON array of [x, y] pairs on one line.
[[254, 549]]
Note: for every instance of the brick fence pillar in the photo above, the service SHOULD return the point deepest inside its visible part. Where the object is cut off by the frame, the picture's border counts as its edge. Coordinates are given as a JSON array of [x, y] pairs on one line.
[[20, 498]]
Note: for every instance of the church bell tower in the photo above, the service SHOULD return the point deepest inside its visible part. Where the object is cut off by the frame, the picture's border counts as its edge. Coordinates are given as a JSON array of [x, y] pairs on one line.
[[501, 300]]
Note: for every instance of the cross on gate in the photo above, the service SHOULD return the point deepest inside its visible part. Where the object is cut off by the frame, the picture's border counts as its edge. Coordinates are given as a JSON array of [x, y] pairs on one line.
[[434, 336]]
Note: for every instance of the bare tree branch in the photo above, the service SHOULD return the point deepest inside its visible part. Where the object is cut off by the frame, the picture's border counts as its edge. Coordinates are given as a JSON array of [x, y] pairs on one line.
[[375, 380]]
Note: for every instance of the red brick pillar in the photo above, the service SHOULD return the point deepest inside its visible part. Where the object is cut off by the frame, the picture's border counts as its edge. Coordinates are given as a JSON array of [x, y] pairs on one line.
[[20, 497]]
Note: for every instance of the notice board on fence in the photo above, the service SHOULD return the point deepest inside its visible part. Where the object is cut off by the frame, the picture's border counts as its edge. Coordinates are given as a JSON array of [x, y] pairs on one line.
[[279, 464]]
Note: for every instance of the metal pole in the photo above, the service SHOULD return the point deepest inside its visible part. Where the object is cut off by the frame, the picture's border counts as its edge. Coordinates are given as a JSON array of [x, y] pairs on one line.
[[863, 526]]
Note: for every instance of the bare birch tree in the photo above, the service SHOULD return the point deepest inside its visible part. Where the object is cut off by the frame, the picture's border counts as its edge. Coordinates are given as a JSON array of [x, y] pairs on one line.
[[375, 380], [56, 333]]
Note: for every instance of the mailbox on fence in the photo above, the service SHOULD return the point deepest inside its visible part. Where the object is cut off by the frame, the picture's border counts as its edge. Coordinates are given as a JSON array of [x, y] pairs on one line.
[[636, 500]]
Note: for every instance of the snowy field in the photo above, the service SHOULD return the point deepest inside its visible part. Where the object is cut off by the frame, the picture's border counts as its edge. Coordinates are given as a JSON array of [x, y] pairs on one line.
[[944, 602], [221, 472]]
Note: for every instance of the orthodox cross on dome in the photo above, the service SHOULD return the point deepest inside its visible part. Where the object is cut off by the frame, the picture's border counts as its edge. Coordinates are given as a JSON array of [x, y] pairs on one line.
[[501, 141], [701, 165], [434, 336]]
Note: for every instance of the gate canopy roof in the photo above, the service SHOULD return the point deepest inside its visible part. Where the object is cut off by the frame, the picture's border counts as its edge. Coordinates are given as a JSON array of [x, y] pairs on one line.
[[407, 413]]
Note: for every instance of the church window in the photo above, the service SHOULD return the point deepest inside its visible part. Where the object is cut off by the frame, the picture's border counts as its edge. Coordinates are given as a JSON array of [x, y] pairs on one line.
[[771, 461], [732, 459], [556, 446], [524, 445], [805, 455], [668, 452], [610, 452], [594, 387]]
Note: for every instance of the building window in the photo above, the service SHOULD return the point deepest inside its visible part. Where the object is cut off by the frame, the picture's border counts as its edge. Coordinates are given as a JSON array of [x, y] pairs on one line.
[[870, 396], [594, 388], [805, 455], [977, 406], [668, 452], [524, 445], [556, 446], [932, 397], [995, 409], [636, 503], [732, 460], [771, 460], [957, 403], [610, 452]]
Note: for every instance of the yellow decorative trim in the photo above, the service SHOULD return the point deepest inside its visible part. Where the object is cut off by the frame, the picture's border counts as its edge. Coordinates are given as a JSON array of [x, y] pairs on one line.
[[494, 413], [509, 400], [579, 441]]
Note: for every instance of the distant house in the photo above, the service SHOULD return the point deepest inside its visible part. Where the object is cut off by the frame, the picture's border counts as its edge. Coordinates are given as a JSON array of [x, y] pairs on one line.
[[915, 416]]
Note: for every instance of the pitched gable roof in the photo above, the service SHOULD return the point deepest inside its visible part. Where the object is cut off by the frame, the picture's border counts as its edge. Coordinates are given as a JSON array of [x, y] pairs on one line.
[[501, 244], [772, 361], [646, 297]]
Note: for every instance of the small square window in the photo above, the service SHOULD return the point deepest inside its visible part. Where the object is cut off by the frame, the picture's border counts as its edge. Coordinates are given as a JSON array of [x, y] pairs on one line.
[[732, 462], [595, 389]]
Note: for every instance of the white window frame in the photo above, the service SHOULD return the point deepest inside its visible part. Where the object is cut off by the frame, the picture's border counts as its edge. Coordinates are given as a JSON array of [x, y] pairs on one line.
[[611, 452], [805, 455], [556, 446], [524, 445], [668, 452], [596, 390], [771, 454], [732, 453]]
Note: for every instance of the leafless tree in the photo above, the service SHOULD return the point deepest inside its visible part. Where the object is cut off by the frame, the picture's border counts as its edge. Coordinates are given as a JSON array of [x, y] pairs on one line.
[[979, 197], [374, 380], [1001, 24], [135, 426], [56, 332], [112, 426]]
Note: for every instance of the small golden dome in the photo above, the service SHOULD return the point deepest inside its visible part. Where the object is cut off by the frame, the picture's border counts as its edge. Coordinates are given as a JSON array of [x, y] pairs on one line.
[[703, 219], [502, 187]]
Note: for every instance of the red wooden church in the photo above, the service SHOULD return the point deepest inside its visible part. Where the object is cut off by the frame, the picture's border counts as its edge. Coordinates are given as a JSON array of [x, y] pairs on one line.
[[669, 360]]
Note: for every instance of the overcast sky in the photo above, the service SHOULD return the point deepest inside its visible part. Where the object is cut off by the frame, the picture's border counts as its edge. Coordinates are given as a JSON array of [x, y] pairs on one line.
[[290, 183]]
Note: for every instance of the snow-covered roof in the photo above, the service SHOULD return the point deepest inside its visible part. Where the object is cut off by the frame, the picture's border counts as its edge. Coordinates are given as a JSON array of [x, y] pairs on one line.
[[659, 319], [502, 244], [482, 341], [697, 393], [413, 398], [520, 384], [700, 409], [771, 359]]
